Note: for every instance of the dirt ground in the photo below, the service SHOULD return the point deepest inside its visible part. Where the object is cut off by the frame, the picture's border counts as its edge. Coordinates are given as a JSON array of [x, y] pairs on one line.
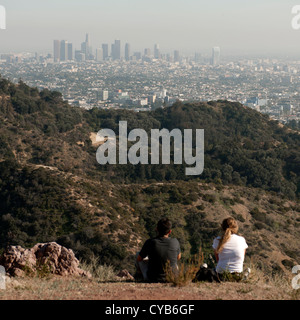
[[58, 288]]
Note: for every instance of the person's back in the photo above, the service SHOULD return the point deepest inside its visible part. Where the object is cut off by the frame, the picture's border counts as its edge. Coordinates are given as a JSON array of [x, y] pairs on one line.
[[231, 258], [230, 248], [159, 251]]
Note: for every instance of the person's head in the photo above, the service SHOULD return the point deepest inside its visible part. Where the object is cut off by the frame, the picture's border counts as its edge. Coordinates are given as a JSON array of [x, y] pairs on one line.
[[230, 224], [164, 227], [229, 227]]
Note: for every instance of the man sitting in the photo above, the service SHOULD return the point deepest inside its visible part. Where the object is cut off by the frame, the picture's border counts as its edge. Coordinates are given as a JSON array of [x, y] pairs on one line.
[[159, 251]]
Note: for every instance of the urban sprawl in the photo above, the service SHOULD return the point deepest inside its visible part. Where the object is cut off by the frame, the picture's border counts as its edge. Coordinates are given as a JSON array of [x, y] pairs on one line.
[[112, 77]]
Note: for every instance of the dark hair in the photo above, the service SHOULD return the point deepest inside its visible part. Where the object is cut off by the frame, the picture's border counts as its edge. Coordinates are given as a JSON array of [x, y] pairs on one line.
[[164, 226]]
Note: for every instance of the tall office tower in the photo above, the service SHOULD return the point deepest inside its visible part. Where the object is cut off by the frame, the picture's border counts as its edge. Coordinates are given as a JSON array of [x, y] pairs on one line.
[[176, 56], [156, 51], [127, 51], [215, 56], [83, 47], [99, 54], [87, 39], [70, 51], [56, 50], [86, 48], [112, 51], [63, 50], [117, 50], [105, 50], [147, 52]]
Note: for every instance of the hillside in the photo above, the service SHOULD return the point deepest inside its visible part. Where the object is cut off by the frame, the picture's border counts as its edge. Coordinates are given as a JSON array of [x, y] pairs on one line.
[[52, 188]]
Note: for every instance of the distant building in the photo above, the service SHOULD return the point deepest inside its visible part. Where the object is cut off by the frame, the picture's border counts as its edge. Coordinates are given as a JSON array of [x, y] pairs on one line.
[[216, 56], [56, 50], [64, 50], [198, 57], [99, 54], [156, 51], [152, 98], [137, 55], [103, 95], [127, 51], [176, 56], [116, 50], [143, 102], [86, 47], [112, 51], [105, 50], [79, 56], [147, 52], [70, 51]]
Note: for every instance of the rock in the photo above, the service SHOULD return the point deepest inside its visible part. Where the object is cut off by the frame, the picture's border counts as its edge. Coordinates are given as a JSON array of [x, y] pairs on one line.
[[125, 275], [50, 257]]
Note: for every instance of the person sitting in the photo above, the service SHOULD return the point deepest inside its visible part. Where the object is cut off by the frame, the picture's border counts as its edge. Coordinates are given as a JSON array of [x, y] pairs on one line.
[[230, 250], [156, 252]]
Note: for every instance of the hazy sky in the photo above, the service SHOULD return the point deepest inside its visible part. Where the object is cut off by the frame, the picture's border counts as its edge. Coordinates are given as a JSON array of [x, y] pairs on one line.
[[237, 26]]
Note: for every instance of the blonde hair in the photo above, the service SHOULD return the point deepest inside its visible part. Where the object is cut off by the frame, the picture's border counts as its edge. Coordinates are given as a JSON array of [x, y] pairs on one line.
[[229, 227]]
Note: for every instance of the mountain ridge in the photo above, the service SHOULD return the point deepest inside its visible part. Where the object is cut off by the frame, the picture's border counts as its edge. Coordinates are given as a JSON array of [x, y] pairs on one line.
[[52, 188]]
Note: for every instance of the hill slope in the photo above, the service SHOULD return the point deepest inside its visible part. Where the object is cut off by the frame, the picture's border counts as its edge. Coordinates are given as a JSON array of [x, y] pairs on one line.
[[52, 188]]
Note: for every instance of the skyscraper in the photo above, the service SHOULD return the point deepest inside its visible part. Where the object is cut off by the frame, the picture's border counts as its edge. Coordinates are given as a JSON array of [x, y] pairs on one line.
[[99, 54], [156, 51], [70, 51], [215, 56], [63, 50], [112, 51], [56, 50], [86, 47], [176, 56], [147, 52], [105, 50], [117, 50], [127, 51]]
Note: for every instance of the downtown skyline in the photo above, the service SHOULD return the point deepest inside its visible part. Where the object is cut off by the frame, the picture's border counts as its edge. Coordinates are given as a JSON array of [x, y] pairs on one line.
[[238, 27]]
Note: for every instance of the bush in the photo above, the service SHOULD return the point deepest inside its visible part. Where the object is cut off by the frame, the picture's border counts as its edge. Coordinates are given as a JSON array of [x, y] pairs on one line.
[[186, 271]]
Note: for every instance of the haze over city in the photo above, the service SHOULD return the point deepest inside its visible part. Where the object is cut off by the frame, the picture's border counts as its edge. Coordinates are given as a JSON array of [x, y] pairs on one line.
[[238, 27]]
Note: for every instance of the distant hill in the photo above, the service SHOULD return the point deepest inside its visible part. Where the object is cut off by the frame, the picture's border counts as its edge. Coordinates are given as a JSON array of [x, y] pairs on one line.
[[52, 188]]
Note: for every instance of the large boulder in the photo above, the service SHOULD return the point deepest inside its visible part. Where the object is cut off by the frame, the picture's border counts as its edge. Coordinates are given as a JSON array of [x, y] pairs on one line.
[[49, 257]]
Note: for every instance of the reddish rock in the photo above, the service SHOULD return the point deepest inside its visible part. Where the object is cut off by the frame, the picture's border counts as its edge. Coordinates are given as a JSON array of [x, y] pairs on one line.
[[57, 259]]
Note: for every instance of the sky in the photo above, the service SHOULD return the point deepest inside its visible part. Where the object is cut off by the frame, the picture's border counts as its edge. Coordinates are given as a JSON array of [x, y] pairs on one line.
[[238, 27]]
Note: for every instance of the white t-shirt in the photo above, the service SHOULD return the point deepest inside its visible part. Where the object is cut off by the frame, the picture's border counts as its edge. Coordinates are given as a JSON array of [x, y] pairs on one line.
[[231, 258]]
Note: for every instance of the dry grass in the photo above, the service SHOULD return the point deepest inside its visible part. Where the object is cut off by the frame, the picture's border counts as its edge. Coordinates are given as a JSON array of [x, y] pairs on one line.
[[101, 273], [186, 271], [103, 286]]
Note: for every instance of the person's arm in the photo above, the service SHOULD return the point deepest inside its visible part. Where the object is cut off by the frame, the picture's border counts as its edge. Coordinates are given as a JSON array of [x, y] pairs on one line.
[[216, 255], [144, 252]]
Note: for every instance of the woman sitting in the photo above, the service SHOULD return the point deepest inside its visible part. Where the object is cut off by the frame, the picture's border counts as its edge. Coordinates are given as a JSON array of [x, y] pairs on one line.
[[229, 250]]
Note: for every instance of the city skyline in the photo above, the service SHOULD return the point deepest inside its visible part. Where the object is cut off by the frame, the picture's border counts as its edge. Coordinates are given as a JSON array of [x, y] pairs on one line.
[[63, 51], [239, 28]]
